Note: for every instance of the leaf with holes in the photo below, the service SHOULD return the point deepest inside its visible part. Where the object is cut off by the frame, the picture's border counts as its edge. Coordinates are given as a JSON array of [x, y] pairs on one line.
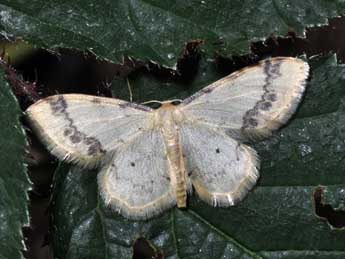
[[14, 182], [153, 30]]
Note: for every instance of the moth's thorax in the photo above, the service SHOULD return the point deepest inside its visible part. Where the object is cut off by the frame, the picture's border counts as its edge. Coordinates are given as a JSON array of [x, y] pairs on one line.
[[168, 115]]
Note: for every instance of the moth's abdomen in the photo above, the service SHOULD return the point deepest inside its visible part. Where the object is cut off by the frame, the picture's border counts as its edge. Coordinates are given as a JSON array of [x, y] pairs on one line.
[[175, 162], [177, 168]]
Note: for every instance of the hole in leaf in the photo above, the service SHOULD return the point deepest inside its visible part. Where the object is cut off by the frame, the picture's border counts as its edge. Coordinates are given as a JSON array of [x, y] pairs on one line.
[[336, 218], [318, 40], [143, 249], [187, 64]]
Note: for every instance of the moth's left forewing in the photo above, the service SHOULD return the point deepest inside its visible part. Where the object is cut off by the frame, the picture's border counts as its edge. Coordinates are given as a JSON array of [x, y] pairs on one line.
[[252, 102], [284, 88]]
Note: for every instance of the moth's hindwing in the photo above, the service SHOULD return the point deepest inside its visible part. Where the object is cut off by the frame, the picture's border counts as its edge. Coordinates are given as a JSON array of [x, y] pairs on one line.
[[221, 169], [136, 182]]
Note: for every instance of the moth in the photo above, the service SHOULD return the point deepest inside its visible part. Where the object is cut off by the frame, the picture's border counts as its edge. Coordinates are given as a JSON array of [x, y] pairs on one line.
[[150, 159]]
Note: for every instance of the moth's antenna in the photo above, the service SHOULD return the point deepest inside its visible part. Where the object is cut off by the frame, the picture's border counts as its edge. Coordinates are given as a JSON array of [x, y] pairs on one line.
[[153, 101], [162, 102], [130, 91]]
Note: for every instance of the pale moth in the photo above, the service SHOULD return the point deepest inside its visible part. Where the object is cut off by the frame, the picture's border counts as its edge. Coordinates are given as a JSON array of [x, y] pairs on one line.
[[150, 159]]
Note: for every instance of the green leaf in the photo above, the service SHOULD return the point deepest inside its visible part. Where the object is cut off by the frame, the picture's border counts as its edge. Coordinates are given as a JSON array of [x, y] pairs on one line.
[[86, 229], [14, 182], [276, 220], [155, 30]]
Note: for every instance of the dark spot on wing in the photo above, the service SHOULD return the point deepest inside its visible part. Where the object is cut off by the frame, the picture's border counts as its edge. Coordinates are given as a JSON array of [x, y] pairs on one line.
[[67, 132], [89, 141], [217, 150], [95, 147], [133, 164], [76, 137], [271, 97], [190, 173], [265, 106], [253, 122], [251, 113], [168, 178]]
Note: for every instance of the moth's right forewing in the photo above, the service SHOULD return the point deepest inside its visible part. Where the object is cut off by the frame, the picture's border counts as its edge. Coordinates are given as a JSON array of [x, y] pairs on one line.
[[82, 129]]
